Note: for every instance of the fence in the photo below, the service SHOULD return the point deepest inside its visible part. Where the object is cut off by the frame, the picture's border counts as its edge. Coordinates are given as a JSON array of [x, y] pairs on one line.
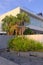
[[4, 39]]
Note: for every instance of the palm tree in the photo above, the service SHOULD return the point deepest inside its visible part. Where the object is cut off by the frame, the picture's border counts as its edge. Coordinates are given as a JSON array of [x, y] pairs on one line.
[[23, 18], [11, 23], [8, 22]]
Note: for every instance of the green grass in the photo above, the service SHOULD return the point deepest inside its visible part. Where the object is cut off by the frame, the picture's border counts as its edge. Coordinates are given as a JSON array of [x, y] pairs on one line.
[[23, 44]]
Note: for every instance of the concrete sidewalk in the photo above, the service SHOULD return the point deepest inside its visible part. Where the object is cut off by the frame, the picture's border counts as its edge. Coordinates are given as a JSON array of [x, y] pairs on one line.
[[4, 61]]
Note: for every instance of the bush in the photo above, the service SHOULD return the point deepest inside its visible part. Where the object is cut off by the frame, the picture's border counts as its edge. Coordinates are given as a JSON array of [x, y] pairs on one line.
[[28, 31], [23, 44]]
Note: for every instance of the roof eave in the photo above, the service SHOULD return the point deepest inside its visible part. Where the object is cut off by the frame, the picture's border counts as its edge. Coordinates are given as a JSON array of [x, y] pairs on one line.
[[31, 13]]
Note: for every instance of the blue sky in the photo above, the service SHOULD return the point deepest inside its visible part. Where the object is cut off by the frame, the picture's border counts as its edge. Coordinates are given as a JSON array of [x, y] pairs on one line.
[[32, 5]]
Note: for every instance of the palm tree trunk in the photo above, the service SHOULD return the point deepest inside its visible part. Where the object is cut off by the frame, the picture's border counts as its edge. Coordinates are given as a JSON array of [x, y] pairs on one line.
[[16, 32], [23, 29]]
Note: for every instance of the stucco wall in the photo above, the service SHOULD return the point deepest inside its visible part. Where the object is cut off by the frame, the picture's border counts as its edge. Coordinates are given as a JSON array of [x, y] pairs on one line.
[[13, 12], [5, 38], [38, 37]]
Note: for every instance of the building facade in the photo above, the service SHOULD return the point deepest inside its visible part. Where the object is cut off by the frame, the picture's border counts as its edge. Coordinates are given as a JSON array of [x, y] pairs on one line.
[[36, 21]]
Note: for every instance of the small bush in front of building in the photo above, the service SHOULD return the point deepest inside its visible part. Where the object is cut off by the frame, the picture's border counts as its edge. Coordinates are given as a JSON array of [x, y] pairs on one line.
[[28, 31], [23, 44]]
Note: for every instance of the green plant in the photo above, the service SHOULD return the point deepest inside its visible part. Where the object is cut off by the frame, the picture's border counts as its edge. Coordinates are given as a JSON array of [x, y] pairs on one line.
[[28, 31], [11, 21], [23, 44]]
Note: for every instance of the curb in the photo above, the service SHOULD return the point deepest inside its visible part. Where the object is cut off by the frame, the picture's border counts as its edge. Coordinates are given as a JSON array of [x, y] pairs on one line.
[[35, 54]]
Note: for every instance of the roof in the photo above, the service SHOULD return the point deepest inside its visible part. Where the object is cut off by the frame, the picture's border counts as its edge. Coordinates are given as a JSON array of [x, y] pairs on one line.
[[34, 27], [31, 13], [3, 32], [25, 10]]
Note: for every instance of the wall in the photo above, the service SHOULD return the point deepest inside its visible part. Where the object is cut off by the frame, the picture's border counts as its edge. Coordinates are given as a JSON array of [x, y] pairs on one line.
[[35, 24], [0, 26], [4, 41], [36, 21], [5, 38], [38, 37], [13, 12]]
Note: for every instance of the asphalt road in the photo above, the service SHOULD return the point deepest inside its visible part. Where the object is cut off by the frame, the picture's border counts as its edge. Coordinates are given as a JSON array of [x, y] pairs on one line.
[[12, 58]]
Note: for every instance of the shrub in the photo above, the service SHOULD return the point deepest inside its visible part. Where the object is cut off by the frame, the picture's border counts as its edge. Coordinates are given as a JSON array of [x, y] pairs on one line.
[[23, 44], [28, 31]]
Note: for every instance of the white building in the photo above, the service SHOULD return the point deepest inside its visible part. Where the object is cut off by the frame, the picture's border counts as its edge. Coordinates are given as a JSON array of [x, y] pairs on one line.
[[36, 21]]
